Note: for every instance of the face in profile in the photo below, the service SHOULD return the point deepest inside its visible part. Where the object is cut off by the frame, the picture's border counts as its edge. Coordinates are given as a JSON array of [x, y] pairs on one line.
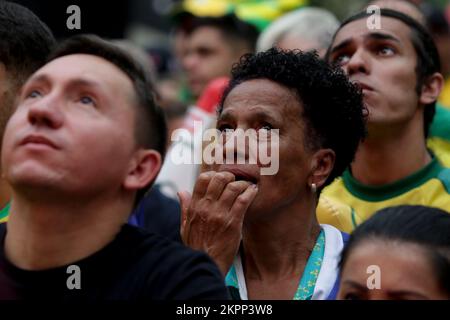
[[394, 270], [73, 129]]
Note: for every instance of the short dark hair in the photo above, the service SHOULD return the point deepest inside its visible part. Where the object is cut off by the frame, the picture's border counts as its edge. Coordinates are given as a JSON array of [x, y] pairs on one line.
[[424, 226], [25, 41], [333, 108], [427, 54], [232, 28], [151, 127]]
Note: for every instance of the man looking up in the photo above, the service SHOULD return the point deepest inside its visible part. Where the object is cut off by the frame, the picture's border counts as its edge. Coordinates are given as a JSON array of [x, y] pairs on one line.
[[438, 140], [397, 68], [85, 142]]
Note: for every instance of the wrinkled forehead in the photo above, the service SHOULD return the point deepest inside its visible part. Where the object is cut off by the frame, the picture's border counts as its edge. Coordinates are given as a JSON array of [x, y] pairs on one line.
[[83, 64], [84, 67], [257, 96], [402, 6], [362, 29]]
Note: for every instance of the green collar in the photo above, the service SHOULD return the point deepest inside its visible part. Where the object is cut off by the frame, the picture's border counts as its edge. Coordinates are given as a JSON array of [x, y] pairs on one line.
[[4, 211], [389, 191], [308, 280]]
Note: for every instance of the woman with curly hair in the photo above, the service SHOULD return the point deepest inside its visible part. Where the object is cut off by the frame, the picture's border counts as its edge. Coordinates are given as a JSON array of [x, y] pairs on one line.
[[261, 229]]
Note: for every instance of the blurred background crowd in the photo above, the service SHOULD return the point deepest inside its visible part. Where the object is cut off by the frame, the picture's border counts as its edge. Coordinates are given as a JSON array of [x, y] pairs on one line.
[[182, 62]]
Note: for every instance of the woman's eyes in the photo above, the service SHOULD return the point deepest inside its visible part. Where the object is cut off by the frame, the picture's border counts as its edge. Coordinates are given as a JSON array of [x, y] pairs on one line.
[[266, 126], [352, 296], [227, 127], [224, 127]]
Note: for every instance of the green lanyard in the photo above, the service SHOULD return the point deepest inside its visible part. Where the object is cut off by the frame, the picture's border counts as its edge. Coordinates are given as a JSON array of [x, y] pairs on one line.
[[308, 281], [4, 212]]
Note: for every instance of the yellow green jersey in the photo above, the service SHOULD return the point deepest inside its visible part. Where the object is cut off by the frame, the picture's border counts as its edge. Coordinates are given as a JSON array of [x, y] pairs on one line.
[[4, 212], [334, 212], [444, 98], [430, 186], [439, 136]]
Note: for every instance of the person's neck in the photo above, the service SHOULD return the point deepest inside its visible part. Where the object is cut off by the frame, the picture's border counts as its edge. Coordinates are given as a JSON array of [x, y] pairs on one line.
[[390, 157], [280, 246], [44, 235], [5, 193]]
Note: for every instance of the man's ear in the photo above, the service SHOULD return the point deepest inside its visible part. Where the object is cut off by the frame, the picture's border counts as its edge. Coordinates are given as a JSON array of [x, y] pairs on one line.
[[431, 89], [322, 164], [143, 169]]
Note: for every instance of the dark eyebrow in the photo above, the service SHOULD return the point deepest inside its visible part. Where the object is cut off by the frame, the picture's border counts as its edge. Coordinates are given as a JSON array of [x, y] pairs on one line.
[[382, 36], [341, 45], [372, 36], [39, 78], [226, 116], [84, 82], [393, 293], [356, 284], [73, 82], [264, 115], [407, 293]]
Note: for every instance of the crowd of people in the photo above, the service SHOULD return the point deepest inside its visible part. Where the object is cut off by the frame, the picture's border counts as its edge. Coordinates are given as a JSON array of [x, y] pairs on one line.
[[354, 119]]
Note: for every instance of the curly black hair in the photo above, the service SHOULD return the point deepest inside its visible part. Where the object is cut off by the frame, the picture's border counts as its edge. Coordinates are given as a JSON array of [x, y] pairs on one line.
[[333, 108]]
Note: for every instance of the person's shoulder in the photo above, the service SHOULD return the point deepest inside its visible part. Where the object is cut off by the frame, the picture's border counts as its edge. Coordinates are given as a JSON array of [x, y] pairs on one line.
[[2, 229], [336, 213], [444, 177], [159, 214], [174, 271], [170, 256], [439, 127], [155, 245]]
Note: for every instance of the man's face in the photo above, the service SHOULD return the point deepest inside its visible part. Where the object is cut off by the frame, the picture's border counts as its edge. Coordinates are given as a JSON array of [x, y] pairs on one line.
[[383, 62], [208, 56], [73, 129]]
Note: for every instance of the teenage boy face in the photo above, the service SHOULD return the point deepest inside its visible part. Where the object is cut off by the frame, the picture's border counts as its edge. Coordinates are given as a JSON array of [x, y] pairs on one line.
[[383, 62]]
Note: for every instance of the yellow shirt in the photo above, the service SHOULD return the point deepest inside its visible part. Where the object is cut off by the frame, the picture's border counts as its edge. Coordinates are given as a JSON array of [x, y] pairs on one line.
[[439, 137], [4, 213], [429, 186], [444, 98], [336, 213]]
